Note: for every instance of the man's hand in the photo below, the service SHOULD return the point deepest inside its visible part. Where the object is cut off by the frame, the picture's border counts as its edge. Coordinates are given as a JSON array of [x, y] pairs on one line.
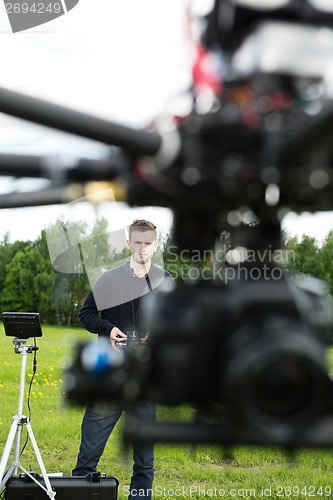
[[117, 335]]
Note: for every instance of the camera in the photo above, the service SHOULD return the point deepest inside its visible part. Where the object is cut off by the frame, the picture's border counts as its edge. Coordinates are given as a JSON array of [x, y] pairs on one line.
[[251, 354], [244, 344]]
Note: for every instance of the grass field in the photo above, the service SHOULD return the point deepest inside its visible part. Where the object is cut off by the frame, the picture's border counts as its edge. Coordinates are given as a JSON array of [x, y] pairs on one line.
[[180, 472]]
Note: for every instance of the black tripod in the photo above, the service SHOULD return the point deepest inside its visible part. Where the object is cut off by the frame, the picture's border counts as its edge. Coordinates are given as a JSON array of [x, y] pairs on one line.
[[15, 433]]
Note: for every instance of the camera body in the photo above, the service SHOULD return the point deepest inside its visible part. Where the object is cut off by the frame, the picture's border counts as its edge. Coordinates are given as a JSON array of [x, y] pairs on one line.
[[255, 349], [246, 349], [251, 354]]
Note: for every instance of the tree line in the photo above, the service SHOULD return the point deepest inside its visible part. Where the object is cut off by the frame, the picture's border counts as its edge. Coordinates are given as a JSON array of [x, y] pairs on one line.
[[53, 274]]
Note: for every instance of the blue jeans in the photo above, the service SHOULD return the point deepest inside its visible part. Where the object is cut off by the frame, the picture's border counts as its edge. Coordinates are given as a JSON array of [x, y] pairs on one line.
[[97, 426]]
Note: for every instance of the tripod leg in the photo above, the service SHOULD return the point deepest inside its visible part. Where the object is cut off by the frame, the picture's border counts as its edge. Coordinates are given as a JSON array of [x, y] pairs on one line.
[[49, 490], [7, 450], [17, 445]]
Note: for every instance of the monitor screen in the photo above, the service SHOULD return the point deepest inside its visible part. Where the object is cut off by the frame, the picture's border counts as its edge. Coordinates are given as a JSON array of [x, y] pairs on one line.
[[22, 325]]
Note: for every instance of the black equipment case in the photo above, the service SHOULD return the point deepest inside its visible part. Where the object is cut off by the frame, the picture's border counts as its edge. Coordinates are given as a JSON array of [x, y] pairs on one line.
[[93, 486]]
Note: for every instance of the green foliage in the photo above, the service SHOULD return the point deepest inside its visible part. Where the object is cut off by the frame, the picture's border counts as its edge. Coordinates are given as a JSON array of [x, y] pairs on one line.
[[7, 252], [186, 266], [308, 257], [49, 275], [305, 255], [325, 257]]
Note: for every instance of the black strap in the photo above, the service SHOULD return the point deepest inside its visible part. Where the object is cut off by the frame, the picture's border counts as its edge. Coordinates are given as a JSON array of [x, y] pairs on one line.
[[148, 283], [135, 316]]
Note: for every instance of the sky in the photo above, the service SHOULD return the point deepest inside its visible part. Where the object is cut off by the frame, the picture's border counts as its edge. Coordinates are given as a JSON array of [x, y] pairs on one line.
[[125, 61]]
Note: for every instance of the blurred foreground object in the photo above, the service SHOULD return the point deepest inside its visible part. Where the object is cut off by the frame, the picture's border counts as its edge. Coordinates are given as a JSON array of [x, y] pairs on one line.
[[246, 345], [250, 356]]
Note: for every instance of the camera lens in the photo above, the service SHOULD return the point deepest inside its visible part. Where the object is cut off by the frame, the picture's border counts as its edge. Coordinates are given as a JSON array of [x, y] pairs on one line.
[[284, 387], [275, 381]]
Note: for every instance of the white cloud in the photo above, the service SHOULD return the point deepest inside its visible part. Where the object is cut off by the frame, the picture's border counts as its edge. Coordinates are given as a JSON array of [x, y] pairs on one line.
[[121, 60], [118, 60], [316, 225], [27, 223]]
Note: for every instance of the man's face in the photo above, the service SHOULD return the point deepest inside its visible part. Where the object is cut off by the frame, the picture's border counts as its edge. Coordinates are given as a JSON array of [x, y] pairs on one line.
[[142, 246]]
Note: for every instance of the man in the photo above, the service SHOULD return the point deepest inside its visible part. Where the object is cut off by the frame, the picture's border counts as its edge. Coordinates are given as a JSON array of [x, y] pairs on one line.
[[112, 309]]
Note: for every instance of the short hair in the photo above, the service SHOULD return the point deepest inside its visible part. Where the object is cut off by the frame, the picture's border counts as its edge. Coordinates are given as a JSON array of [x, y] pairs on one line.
[[142, 225]]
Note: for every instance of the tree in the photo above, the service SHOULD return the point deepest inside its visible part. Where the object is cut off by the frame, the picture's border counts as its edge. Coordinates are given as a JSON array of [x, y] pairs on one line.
[[19, 292], [304, 256], [78, 257], [325, 260], [101, 249], [65, 255], [44, 281], [7, 252], [50, 275]]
